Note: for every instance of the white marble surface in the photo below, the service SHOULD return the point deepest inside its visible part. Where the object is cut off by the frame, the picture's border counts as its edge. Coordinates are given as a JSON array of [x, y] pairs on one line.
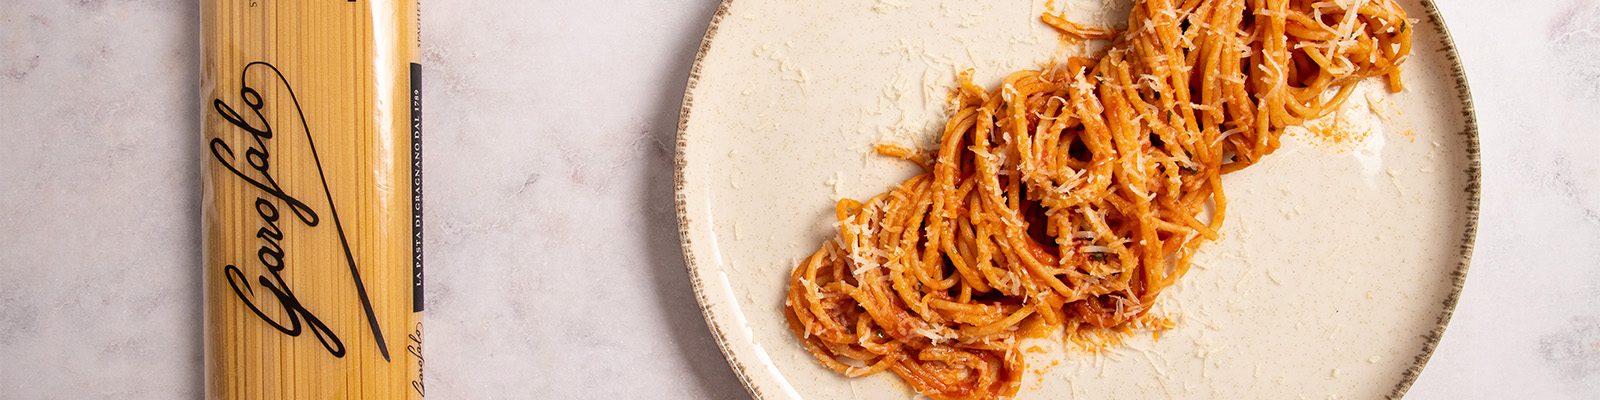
[[549, 129]]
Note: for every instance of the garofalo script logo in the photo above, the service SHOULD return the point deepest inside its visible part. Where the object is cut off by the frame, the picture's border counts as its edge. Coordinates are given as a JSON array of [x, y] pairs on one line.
[[274, 206]]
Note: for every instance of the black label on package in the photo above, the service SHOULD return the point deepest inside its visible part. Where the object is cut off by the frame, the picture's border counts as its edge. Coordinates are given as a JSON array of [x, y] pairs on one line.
[[416, 187]]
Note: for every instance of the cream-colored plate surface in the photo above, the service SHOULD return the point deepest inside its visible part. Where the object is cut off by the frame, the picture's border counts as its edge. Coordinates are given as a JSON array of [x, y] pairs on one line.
[[1338, 272]]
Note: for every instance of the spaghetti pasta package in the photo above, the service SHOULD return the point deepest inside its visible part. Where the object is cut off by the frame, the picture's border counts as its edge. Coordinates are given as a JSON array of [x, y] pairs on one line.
[[312, 199]]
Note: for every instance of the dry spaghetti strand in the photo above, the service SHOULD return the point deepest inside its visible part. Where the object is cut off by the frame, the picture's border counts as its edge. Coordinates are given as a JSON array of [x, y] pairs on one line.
[[1072, 196]]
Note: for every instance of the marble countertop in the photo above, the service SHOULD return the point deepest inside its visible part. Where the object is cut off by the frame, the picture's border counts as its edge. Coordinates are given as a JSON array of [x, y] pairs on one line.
[[529, 182]]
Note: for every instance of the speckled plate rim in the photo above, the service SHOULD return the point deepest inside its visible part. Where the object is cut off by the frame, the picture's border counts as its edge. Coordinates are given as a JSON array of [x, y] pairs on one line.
[[1458, 276]]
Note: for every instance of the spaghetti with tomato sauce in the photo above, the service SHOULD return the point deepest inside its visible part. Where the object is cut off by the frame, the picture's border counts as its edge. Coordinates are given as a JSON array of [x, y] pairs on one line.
[[1069, 197]]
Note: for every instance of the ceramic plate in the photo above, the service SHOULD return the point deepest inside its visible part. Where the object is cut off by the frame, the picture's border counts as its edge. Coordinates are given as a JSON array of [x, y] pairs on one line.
[[1342, 258]]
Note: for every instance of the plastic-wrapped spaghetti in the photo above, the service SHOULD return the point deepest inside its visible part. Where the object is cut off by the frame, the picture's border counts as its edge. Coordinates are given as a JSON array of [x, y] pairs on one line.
[[312, 207]]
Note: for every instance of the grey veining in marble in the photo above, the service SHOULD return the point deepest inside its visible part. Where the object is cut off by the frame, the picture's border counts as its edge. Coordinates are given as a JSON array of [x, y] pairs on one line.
[[554, 266], [1528, 325], [558, 270], [98, 200]]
